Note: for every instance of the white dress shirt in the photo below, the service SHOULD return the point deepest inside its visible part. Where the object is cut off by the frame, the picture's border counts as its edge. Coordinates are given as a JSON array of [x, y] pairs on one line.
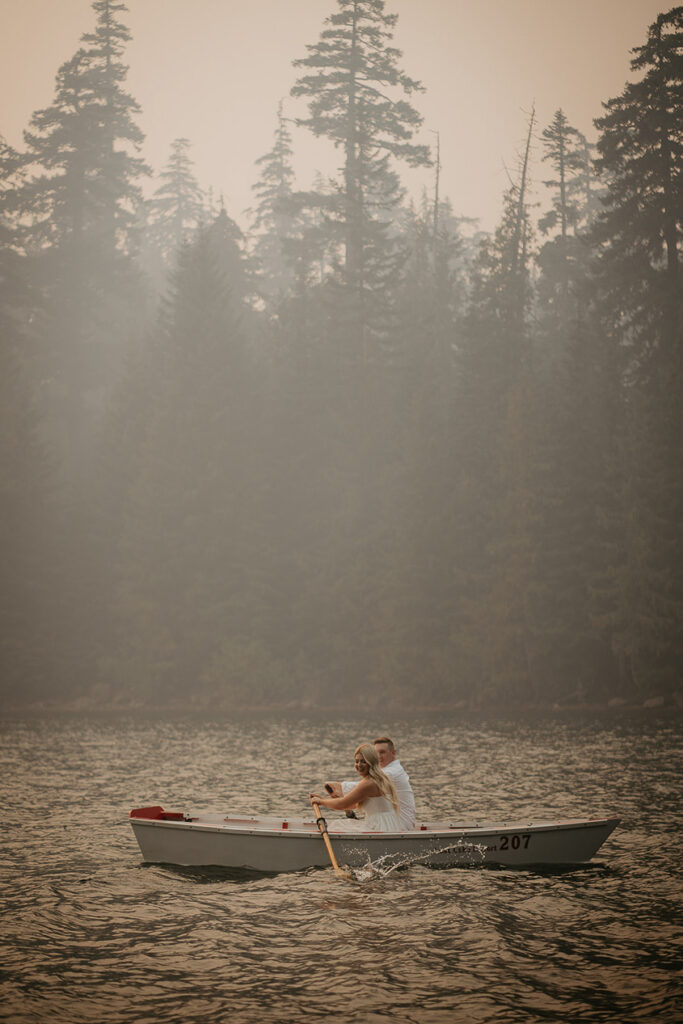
[[406, 801]]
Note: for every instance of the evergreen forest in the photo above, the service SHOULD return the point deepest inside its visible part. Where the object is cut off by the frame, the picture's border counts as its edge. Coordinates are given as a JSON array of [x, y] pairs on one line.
[[355, 451]]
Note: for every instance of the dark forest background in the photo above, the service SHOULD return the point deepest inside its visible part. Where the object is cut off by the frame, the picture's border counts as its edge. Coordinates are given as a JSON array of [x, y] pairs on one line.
[[364, 454]]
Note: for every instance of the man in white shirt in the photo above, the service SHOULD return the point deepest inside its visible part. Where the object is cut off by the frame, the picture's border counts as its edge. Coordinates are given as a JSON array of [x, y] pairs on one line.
[[392, 767]]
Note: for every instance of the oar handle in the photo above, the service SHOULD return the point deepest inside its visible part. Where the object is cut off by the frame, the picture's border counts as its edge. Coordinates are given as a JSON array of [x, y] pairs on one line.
[[322, 828]]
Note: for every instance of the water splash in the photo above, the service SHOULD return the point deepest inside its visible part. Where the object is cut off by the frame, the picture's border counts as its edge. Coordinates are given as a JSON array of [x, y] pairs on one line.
[[466, 855]]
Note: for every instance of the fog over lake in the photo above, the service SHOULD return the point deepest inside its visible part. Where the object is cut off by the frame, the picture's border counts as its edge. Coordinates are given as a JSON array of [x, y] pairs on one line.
[[341, 394]]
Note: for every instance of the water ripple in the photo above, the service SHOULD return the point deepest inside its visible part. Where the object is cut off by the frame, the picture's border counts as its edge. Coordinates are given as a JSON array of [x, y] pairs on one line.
[[89, 934]]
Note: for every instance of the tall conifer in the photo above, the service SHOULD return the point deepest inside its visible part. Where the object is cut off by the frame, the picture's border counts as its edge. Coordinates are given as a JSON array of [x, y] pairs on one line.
[[79, 204], [640, 301], [356, 93], [177, 206], [281, 225]]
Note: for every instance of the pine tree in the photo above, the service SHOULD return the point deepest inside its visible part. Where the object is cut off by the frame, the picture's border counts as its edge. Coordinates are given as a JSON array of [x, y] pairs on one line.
[[277, 221], [16, 299], [79, 204], [571, 420], [585, 189], [228, 243], [177, 207], [641, 150], [355, 88], [120, 139], [563, 149], [85, 145], [432, 290], [639, 299], [564, 259]]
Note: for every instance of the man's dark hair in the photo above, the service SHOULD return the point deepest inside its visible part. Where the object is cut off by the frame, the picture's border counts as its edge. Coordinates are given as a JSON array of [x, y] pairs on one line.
[[385, 739]]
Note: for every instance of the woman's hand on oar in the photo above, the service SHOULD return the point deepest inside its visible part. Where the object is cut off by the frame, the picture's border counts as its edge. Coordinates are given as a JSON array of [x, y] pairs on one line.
[[322, 828]]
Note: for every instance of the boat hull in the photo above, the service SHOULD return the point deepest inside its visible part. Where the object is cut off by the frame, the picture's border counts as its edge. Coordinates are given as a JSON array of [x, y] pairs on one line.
[[264, 845]]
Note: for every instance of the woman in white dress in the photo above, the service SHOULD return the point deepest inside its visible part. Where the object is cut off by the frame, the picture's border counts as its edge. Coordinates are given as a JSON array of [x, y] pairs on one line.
[[375, 794]]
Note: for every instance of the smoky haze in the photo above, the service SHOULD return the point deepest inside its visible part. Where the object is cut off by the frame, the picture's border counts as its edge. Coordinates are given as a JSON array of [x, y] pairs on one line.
[[339, 364], [213, 71]]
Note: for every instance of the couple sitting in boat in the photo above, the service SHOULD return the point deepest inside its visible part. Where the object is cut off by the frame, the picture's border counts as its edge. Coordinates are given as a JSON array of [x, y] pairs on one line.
[[383, 793]]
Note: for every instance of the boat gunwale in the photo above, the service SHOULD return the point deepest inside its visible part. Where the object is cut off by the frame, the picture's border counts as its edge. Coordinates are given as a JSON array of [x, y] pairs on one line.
[[450, 832]]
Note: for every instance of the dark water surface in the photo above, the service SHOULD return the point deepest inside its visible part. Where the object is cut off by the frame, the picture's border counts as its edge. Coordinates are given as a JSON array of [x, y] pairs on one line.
[[89, 933]]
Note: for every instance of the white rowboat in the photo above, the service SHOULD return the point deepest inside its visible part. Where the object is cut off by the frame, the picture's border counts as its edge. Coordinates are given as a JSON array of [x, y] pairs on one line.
[[273, 844]]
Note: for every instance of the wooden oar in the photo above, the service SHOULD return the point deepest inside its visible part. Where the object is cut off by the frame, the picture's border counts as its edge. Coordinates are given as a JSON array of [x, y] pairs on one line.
[[322, 828]]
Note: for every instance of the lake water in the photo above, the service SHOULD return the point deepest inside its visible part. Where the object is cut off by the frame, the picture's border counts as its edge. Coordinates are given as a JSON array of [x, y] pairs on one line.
[[90, 933]]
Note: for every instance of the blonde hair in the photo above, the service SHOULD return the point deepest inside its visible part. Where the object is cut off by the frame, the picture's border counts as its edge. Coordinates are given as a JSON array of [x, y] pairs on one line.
[[382, 781]]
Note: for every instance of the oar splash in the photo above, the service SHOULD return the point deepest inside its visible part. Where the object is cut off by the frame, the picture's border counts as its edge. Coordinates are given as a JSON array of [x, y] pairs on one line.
[[390, 862], [470, 855]]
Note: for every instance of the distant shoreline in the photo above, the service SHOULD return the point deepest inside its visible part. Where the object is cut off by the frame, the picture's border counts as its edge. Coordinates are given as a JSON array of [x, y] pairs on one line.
[[85, 708]]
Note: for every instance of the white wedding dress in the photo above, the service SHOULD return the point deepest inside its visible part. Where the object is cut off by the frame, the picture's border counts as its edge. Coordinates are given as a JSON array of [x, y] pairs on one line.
[[380, 816]]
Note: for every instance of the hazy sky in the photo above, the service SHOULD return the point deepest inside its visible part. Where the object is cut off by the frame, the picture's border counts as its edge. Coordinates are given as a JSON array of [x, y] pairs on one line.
[[214, 71]]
